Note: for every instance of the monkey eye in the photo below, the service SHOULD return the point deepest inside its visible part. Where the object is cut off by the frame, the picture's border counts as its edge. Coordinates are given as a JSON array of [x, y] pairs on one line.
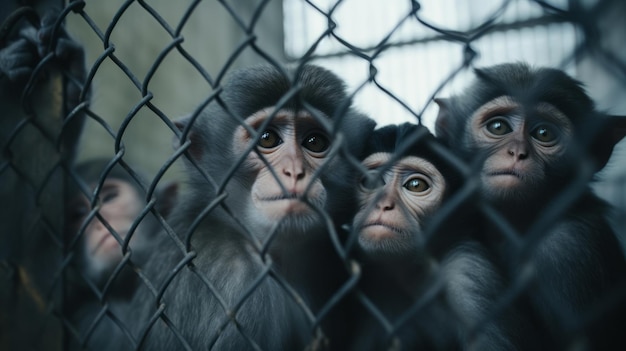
[[109, 195], [499, 126], [416, 185], [544, 134], [269, 139], [316, 142]]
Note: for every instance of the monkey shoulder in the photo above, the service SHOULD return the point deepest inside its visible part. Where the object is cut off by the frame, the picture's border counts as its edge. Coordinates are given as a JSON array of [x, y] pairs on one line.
[[582, 242], [586, 227]]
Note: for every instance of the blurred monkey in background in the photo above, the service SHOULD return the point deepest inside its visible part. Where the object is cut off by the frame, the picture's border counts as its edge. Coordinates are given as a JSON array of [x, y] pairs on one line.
[[42, 72], [101, 275]]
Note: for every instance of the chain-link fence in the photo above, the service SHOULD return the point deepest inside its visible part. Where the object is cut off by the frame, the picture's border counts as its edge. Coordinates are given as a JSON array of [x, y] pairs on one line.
[[240, 225]]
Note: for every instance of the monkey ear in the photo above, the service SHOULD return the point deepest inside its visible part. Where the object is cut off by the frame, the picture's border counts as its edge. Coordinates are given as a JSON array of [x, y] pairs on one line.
[[611, 133], [618, 128], [195, 149], [442, 123], [166, 195]]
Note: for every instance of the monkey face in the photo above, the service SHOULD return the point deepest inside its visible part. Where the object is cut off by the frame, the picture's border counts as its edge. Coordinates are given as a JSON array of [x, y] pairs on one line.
[[394, 201], [519, 143], [288, 150], [119, 205]]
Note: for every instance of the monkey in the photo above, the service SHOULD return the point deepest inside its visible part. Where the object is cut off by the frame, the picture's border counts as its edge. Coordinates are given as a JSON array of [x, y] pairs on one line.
[[24, 44], [268, 166], [25, 80], [42, 73], [121, 200], [97, 252], [407, 263], [536, 139], [57, 86]]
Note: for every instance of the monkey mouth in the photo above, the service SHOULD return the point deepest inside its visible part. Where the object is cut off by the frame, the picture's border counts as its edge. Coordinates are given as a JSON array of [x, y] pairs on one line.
[[281, 197], [505, 179], [107, 242], [506, 172], [381, 229], [284, 203]]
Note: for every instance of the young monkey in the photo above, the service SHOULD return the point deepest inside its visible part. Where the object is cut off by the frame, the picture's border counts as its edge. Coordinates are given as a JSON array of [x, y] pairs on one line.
[[538, 140], [431, 285], [94, 284]]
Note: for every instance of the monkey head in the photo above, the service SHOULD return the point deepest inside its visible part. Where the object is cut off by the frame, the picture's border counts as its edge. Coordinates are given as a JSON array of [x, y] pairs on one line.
[[90, 224], [404, 184], [119, 203], [275, 143], [528, 127]]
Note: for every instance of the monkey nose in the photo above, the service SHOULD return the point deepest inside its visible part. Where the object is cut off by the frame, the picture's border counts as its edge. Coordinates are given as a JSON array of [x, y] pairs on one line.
[[385, 204], [295, 173], [388, 207], [519, 153]]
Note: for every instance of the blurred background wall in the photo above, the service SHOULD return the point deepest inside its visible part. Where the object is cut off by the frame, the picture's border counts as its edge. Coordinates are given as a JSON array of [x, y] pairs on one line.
[[211, 35]]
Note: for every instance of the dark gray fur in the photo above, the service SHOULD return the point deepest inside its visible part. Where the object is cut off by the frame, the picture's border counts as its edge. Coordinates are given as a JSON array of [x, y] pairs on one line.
[[577, 263], [226, 255], [459, 269], [87, 292]]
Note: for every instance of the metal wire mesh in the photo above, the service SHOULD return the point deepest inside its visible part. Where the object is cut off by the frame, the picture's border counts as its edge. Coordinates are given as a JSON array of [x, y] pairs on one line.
[[50, 300]]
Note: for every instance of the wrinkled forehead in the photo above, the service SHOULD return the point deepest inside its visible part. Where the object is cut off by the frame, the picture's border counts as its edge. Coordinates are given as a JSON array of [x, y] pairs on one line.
[[377, 159], [536, 111], [284, 117], [301, 120], [416, 163]]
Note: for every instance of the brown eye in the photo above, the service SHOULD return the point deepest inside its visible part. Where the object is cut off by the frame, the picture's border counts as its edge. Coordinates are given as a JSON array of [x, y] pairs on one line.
[[269, 139], [416, 185], [544, 134], [316, 143], [499, 127]]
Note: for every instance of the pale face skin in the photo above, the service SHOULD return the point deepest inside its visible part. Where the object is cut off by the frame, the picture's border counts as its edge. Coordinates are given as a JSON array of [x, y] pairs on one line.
[[520, 147], [294, 148], [120, 205], [392, 207]]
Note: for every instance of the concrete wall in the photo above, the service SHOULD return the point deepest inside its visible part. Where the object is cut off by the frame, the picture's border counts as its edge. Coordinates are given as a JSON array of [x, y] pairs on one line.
[[211, 36]]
